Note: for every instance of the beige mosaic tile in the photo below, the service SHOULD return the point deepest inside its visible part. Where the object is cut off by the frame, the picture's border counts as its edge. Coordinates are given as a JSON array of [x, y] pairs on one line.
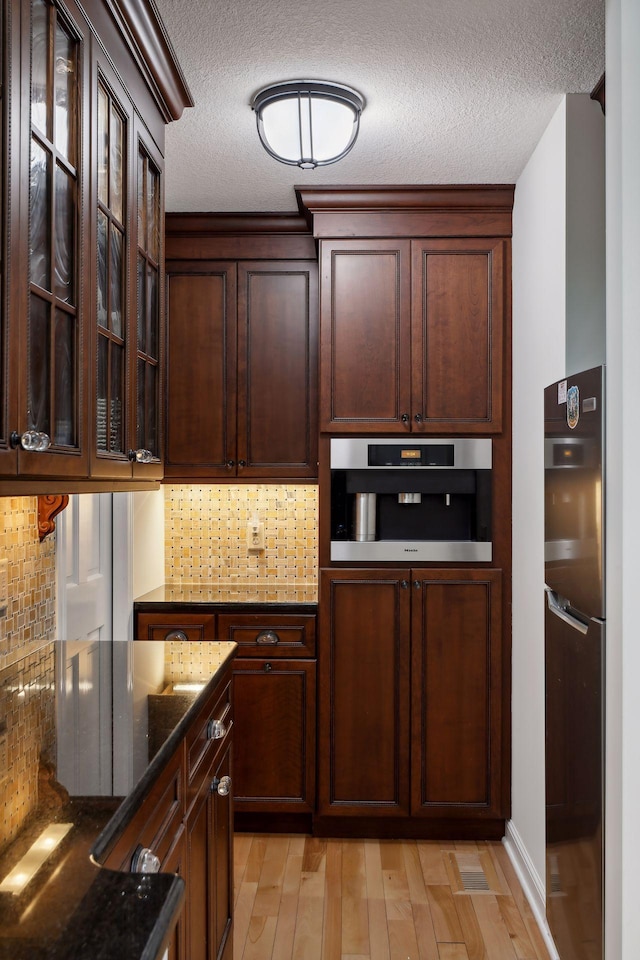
[[206, 527], [27, 735], [30, 620]]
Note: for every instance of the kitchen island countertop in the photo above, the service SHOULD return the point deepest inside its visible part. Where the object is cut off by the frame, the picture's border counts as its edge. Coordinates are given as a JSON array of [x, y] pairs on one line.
[[78, 908]]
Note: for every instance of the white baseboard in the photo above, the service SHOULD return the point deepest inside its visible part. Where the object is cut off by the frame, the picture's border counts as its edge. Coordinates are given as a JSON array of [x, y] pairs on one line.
[[531, 883]]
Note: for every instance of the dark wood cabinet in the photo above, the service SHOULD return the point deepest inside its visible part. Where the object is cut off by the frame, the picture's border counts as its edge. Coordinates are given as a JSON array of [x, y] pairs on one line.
[[209, 833], [274, 693], [241, 375], [275, 722], [412, 335], [364, 690], [410, 695], [186, 820], [88, 90]]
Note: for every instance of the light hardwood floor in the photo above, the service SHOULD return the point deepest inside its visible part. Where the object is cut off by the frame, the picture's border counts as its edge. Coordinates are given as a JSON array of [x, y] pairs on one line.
[[299, 898]]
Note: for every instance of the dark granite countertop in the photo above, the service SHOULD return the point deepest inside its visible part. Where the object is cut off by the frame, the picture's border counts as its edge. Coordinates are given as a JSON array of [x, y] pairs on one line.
[[74, 907], [229, 593]]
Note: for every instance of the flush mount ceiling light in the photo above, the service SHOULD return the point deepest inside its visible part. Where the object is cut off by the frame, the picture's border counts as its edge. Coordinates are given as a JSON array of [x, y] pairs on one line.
[[308, 123]]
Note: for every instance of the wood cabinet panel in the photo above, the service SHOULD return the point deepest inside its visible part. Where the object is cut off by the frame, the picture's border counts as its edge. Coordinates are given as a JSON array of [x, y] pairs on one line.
[[165, 626], [242, 369], [364, 693], [277, 368], [458, 332], [456, 706], [447, 625], [365, 335], [274, 721], [201, 372], [274, 635]]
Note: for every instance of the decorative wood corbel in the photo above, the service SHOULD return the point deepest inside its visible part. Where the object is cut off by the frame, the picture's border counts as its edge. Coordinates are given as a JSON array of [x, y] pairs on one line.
[[49, 507]]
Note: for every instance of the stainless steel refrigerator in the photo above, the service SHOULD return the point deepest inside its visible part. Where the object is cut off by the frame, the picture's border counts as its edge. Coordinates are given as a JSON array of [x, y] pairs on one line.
[[574, 662]]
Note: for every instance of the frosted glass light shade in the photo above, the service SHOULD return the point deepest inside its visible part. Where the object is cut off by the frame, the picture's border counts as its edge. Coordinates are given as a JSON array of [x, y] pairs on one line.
[[308, 123]]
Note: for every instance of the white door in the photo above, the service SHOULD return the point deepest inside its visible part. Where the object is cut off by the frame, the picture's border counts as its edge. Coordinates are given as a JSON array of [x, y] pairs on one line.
[[84, 650]]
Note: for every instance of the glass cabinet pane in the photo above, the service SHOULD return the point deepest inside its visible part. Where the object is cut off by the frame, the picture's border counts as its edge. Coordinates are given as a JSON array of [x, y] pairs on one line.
[[103, 147], [64, 365], [39, 366], [116, 143], [148, 288], [117, 281], [64, 237], [40, 222], [65, 89], [112, 275], [40, 86]]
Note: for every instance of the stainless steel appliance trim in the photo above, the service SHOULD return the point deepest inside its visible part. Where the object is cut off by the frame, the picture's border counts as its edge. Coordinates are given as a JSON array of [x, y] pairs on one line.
[[559, 611], [437, 551], [469, 453]]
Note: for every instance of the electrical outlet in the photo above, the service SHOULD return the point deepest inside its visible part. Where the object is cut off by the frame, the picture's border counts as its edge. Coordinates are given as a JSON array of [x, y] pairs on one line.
[[255, 534]]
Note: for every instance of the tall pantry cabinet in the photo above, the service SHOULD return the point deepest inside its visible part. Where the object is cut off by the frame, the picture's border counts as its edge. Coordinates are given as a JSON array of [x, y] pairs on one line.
[[414, 661]]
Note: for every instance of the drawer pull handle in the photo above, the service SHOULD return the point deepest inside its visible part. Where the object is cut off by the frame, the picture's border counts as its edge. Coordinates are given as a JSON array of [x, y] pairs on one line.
[[216, 730], [268, 637], [221, 786], [176, 635], [144, 860], [267, 668]]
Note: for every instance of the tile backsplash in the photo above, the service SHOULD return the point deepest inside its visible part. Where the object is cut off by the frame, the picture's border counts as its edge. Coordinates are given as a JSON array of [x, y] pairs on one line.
[[27, 737], [206, 533], [31, 608]]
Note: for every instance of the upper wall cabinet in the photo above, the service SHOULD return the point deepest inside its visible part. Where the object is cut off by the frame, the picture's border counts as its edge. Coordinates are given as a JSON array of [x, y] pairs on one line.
[[241, 350], [87, 92], [415, 313]]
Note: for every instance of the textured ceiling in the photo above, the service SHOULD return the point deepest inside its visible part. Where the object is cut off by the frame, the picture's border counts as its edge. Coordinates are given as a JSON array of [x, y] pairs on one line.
[[457, 91]]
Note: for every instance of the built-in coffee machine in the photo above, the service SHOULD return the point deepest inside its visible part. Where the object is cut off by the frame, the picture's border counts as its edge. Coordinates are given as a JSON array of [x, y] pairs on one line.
[[421, 500]]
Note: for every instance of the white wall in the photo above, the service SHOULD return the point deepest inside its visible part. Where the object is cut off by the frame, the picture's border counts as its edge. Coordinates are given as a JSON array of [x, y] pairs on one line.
[[622, 889], [148, 541], [539, 298], [585, 248]]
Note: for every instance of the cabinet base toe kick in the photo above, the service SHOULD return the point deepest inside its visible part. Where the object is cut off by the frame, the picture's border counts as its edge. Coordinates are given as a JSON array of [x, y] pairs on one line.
[[409, 829]]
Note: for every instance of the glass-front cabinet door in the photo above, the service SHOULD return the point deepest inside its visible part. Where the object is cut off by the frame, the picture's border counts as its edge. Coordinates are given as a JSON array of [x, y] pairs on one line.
[[127, 328], [149, 299], [51, 435], [112, 237]]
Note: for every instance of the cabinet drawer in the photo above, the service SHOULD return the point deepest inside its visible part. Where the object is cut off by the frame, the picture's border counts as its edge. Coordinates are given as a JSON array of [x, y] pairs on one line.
[[209, 734], [157, 820], [270, 635], [175, 626]]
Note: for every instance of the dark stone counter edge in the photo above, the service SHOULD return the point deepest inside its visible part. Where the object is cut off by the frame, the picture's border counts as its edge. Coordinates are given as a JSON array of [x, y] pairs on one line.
[[128, 915], [226, 606], [131, 803]]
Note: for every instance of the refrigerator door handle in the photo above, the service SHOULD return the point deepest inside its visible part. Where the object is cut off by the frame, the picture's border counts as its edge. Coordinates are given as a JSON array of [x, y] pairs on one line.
[[559, 611]]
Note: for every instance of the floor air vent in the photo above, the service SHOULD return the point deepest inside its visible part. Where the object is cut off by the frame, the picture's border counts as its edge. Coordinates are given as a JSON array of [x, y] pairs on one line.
[[473, 879], [472, 872]]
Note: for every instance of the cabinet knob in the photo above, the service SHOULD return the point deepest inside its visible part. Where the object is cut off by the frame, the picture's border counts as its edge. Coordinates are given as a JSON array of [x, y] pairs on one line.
[[418, 418], [177, 635], [267, 668], [221, 786], [140, 456], [269, 637], [216, 729], [144, 860], [417, 584], [32, 440], [404, 584], [231, 463], [242, 463], [405, 418]]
